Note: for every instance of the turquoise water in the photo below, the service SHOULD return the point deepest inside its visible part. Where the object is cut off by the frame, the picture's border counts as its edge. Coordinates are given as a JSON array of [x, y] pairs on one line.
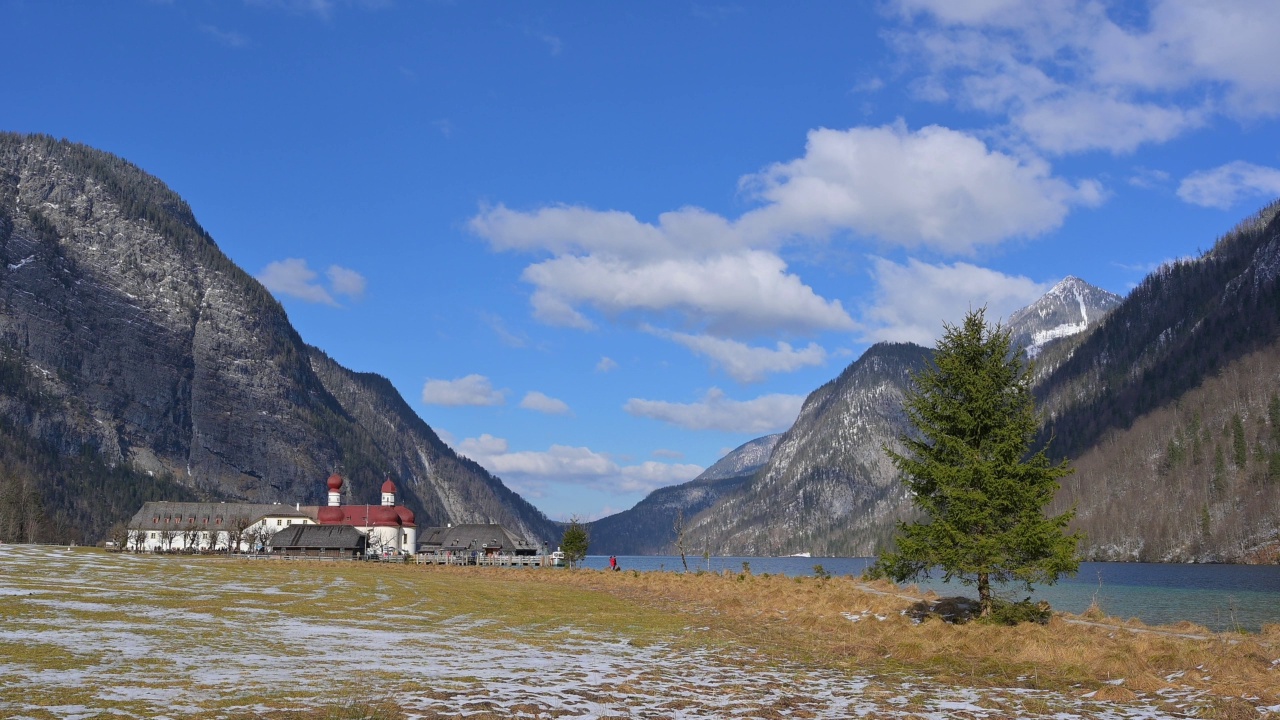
[[1221, 597]]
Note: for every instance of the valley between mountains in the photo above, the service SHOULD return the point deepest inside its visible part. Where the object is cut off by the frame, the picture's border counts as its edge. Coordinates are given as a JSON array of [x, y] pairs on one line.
[[138, 362]]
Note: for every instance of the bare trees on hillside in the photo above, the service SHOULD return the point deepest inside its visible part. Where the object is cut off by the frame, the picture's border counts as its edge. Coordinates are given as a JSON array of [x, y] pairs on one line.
[[1194, 479]]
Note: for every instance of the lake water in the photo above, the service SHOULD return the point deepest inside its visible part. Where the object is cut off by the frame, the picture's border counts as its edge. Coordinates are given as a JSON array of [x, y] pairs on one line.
[[1221, 597]]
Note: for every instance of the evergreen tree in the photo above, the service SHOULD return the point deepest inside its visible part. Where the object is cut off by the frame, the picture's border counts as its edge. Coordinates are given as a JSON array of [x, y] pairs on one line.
[[1239, 450], [970, 468], [574, 542], [1219, 481], [1273, 416]]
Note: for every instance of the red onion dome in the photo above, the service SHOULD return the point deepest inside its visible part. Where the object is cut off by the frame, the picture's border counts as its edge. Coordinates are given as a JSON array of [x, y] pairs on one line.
[[384, 515], [406, 515], [335, 482], [330, 516], [388, 486]]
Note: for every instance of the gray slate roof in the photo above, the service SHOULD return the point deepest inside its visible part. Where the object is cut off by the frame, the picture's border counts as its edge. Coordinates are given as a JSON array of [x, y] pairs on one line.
[[478, 538], [164, 515], [318, 537]]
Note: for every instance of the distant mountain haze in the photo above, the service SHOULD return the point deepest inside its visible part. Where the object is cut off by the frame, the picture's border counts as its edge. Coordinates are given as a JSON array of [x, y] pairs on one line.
[[649, 528]]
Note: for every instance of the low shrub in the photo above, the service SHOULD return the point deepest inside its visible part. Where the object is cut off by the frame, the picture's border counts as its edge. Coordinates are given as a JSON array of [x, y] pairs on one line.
[[1004, 612]]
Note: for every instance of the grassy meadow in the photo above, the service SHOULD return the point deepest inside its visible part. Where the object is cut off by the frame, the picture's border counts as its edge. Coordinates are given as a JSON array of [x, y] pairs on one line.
[[88, 634]]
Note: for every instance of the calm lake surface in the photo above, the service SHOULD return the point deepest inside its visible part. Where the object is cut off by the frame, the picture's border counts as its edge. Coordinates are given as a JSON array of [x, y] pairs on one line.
[[1221, 597]]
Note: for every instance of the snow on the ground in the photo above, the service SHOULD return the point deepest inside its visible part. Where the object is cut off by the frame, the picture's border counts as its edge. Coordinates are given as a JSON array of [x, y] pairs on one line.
[[88, 633]]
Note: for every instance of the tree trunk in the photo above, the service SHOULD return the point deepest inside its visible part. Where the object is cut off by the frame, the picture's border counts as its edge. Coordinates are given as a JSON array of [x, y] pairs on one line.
[[984, 593]]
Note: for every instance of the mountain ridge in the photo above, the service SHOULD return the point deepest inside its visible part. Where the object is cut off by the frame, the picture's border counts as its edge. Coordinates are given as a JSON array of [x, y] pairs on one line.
[[128, 338]]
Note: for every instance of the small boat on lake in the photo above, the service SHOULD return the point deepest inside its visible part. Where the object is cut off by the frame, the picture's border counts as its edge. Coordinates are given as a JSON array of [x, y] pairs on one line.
[[802, 554]]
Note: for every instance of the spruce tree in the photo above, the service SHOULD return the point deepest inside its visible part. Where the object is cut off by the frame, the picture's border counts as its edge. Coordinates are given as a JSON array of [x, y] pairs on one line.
[[574, 542], [970, 469]]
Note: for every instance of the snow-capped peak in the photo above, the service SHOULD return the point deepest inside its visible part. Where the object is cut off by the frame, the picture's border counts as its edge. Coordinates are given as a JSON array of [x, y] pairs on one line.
[[1070, 307]]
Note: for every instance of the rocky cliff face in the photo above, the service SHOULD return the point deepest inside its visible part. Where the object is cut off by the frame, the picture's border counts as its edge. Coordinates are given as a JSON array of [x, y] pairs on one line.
[[452, 488], [742, 460], [130, 337], [828, 487]]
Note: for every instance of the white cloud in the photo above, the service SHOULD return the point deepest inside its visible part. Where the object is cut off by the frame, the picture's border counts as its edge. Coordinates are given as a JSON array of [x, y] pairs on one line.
[[483, 446], [292, 277], [606, 364], [230, 38], [649, 475], [934, 187], [740, 293], [529, 469], [469, 390], [1071, 77], [565, 230], [743, 362], [499, 327], [554, 44], [345, 281], [760, 416], [1084, 121], [912, 301], [322, 9], [1224, 186], [534, 400], [1148, 178]]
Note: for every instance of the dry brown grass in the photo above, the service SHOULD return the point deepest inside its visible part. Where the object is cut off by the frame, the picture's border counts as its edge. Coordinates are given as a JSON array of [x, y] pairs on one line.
[[808, 620], [746, 633]]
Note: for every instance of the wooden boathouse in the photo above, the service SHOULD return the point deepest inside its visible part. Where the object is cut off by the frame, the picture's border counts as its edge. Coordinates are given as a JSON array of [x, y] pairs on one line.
[[478, 544]]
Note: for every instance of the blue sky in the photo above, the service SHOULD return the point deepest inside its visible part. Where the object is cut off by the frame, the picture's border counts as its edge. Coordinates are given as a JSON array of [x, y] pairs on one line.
[[596, 245]]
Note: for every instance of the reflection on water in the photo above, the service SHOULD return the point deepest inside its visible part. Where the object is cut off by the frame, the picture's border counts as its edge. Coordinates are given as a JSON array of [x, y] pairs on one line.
[[1221, 597]]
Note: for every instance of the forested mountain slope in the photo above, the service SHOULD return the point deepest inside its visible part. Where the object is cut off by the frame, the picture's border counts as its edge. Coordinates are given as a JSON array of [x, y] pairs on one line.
[[1182, 324], [1197, 479], [128, 341], [1170, 411]]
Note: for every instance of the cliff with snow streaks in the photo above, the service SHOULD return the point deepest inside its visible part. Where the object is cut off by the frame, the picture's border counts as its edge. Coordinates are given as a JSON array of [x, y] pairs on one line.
[[1069, 308]]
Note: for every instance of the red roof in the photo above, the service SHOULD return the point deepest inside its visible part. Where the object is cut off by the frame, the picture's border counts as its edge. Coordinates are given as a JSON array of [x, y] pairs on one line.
[[365, 515], [388, 486], [335, 482]]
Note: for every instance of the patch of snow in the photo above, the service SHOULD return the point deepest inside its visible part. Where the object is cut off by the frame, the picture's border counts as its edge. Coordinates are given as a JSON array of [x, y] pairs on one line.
[[158, 657], [22, 263]]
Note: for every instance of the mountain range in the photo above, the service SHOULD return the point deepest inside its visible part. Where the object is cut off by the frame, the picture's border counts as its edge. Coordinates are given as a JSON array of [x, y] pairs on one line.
[[1169, 393], [137, 362]]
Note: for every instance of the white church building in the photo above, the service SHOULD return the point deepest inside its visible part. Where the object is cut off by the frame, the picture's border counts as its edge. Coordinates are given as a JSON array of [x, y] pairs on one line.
[[247, 527]]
